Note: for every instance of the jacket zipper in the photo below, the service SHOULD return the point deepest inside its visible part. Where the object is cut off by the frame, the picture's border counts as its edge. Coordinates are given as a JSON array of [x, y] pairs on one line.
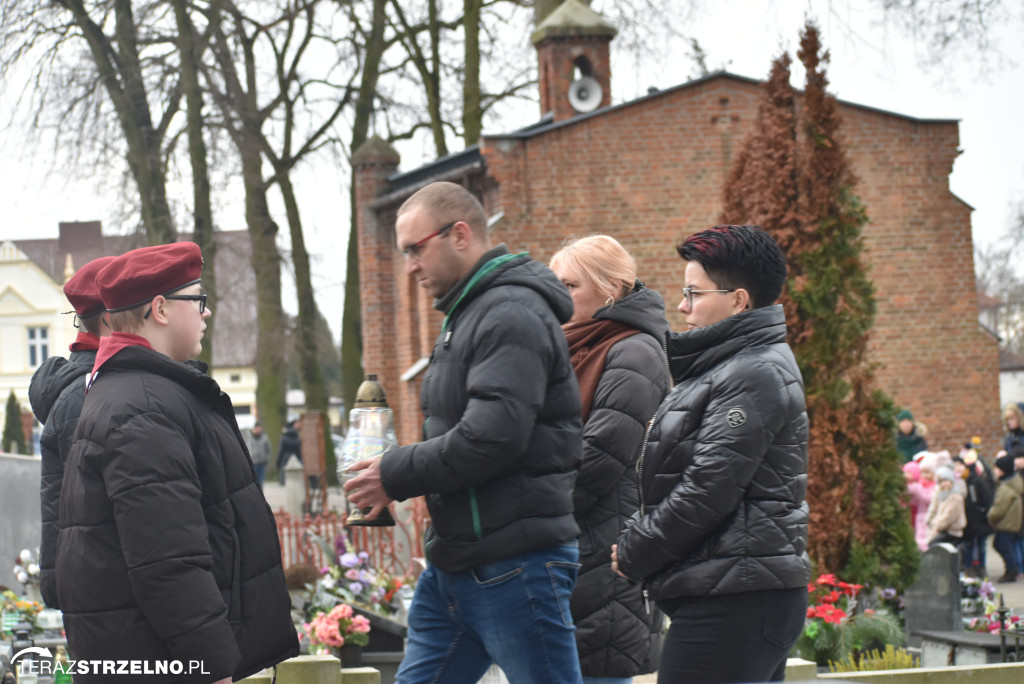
[[640, 491]]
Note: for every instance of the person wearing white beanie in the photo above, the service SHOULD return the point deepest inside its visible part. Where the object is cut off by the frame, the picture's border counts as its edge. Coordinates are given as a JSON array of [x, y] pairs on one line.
[[947, 517]]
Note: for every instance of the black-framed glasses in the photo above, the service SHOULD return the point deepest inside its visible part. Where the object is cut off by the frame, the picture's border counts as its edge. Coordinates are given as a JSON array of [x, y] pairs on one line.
[[689, 292], [413, 250], [201, 298]]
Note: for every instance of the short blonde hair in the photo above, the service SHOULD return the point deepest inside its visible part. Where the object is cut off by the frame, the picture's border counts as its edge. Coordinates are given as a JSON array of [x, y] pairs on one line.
[[130, 320], [601, 261]]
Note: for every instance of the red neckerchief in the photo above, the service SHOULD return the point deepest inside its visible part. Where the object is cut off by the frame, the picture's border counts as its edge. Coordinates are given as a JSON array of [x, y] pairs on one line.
[[85, 341], [113, 344]]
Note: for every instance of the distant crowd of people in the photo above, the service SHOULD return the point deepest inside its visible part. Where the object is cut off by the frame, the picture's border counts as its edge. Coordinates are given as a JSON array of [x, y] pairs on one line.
[[961, 500]]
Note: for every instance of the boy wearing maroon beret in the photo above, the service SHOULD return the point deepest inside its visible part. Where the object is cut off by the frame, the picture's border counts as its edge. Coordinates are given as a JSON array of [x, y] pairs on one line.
[[56, 392], [168, 551]]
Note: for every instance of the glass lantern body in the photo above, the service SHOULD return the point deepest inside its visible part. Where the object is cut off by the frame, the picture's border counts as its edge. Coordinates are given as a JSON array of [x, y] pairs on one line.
[[371, 434]]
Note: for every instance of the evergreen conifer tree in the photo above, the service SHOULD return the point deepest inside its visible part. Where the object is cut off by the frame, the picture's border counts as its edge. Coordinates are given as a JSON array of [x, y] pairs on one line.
[[14, 435], [793, 178]]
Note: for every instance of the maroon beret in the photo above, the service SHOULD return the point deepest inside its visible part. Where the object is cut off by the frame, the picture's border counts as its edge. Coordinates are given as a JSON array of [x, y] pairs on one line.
[[135, 277], [82, 290]]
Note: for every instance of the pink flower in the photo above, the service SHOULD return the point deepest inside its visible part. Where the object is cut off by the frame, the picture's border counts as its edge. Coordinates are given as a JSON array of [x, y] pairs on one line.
[[360, 624], [342, 611]]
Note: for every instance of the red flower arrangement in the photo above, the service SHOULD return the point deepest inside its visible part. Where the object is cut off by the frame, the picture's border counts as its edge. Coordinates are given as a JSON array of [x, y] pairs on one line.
[[824, 596]]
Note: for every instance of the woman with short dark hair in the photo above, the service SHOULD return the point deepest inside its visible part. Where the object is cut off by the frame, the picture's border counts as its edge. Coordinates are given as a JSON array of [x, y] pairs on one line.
[[722, 541]]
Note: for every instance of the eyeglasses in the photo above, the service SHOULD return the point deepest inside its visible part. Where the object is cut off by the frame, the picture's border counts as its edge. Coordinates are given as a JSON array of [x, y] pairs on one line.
[[689, 292], [201, 298], [413, 250]]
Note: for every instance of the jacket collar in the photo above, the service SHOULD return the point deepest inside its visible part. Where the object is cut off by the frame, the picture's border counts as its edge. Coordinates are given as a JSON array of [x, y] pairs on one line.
[[694, 352], [446, 302]]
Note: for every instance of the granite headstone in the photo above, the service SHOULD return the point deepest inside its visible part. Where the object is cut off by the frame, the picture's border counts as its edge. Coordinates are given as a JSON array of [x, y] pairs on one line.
[[933, 601]]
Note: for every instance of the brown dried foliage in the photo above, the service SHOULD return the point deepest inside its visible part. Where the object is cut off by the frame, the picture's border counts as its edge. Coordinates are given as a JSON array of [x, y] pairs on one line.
[[788, 178]]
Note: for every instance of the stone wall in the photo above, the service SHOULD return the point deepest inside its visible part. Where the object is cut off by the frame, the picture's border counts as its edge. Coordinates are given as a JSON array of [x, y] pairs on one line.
[[20, 526]]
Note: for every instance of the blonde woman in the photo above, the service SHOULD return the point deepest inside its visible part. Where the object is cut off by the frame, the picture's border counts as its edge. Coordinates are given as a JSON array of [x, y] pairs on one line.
[[1013, 423], [616, 336]]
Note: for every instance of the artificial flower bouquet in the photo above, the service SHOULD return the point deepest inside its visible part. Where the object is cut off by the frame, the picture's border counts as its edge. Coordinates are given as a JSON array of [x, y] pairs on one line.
[[834, 631], [349, 577], [340, 626]]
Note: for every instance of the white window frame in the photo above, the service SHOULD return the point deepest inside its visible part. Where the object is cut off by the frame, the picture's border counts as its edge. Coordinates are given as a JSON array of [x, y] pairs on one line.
[[38, 339]]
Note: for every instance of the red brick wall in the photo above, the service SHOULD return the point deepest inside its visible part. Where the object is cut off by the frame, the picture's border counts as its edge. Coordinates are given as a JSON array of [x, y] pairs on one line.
[[652, 172]]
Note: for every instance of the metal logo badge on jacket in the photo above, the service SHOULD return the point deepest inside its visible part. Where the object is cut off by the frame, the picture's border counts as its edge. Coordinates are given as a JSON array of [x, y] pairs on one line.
[[736, 417]]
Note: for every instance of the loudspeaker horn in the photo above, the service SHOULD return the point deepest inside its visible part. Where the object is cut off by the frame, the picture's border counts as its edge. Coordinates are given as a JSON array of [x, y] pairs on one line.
[[585, 94]]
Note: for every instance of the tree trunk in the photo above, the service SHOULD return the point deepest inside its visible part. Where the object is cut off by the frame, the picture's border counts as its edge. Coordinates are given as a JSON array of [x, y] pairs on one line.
[[270, 366], [472, 111], [202, 232], [121, 75], [305, 332]]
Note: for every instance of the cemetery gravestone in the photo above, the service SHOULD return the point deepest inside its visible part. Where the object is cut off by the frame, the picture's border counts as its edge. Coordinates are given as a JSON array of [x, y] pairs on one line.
[[933, 602]]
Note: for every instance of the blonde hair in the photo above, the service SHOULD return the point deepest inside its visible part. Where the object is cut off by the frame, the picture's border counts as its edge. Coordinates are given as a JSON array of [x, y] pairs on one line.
[[1015, 410], [601, 261], [129, 321]]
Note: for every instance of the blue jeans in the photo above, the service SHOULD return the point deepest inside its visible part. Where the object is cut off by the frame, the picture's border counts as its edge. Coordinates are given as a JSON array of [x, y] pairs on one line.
[[261, 473], [514, 612]]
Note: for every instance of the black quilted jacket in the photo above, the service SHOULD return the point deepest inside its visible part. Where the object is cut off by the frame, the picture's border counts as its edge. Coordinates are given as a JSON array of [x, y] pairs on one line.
[[167, 549], [56, 392], [617, 634], [502, 434], [723, 477]]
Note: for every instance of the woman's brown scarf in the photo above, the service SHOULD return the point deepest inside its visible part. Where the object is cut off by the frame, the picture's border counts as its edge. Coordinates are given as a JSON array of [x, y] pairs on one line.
[[589, 343]]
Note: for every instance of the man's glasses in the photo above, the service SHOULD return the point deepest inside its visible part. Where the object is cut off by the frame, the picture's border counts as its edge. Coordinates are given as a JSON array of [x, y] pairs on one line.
[[413, 250], [201, 298], [689, 292]]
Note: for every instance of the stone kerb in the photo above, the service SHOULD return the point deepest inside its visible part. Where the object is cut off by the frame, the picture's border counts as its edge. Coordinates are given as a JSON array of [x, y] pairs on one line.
[[316, 669], [1001, 673]]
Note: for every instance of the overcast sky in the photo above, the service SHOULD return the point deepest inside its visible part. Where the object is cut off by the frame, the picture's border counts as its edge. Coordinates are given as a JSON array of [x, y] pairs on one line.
[[870, 66]]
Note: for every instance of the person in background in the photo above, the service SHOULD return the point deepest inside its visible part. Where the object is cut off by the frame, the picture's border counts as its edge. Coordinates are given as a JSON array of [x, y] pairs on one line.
[[1006, 514], [57, 391], [909, 438], [1018, 466], [1013, 424], [977, 501], [167, 550], [259, 449], [721, 542], [921, 493], [290, 445], [946, 516], [615, 340]]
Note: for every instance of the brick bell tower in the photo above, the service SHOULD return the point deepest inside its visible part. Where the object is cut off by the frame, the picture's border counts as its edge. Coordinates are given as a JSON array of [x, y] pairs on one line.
[[572, 59]]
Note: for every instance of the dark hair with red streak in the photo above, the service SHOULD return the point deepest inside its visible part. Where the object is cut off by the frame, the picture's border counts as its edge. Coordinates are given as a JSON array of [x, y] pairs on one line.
[[737, 257]]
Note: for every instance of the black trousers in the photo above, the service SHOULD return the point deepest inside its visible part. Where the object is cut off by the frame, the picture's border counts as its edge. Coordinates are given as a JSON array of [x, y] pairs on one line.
[[732, 638]]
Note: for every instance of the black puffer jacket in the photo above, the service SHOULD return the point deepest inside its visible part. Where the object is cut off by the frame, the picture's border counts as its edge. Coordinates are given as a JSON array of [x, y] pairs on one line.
[[723, 477], [56, 392], [617, 635], [167, 548], [502, 433]]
